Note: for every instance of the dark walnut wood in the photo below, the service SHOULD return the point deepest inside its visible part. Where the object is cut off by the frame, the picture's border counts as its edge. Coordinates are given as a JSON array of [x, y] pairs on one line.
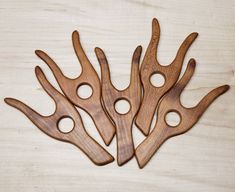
[[91, 105], [110, 95], [49, 124], [150, 66], [171, 103]]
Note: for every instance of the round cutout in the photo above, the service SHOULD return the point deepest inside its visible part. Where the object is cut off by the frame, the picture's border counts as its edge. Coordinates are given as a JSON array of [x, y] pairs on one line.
[[172, 119], [122, 106], [84, 91], [66, 125], [157, 80]]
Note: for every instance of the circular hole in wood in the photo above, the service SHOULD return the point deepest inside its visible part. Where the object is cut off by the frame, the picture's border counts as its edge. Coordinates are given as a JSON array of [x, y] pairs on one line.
[[157, 80], [122, 106], [173, 118], [84, 91], [66, 125]]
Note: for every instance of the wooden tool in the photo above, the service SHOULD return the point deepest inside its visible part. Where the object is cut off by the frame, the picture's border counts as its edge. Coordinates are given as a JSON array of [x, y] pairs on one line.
[[132, 94], [150, 66], [171, 103], [49, 124], [91, 105]]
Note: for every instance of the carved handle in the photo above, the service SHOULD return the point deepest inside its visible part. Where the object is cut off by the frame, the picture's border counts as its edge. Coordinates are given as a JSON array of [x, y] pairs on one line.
[[104, 126], [149, 146], [149, 66], [91, 105], [125, 145], [49, 124], [95, 152], [188, 116], [146, 112], [111, 95]]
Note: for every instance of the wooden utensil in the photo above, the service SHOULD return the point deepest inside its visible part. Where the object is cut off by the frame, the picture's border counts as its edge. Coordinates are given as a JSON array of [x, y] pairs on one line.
[[132, 94], [91, 105], [151, 66], [188, 116], [49, 124]]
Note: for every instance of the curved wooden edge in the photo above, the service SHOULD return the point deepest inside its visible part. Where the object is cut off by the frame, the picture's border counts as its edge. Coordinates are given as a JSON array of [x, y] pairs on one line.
[[49, 124], [150, 65], [69, 87], [123, 122], [189, 116]]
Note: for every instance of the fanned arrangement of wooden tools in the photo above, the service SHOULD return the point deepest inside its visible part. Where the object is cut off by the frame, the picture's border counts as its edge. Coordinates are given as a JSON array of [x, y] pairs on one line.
[[101, 104]]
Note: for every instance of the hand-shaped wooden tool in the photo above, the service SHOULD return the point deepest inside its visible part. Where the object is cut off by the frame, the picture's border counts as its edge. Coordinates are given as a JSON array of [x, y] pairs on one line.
[[91, 105], [151, 66], [110, 95], [49, 124], [171, 103]]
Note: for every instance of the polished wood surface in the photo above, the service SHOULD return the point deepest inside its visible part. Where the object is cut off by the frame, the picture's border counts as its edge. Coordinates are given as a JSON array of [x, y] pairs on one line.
[[110, 95], [199, 160], [150, 66], [49, 124], [188, 116], [88, 76]]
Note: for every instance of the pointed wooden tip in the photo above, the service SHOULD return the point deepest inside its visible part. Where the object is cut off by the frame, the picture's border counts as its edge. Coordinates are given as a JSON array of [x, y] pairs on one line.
[[8, 100], [98, 50], [11, 101], [136, 55], [155, 28], [38, 70], [192, 63], [75, 34], [225, 88], [100, 55], [139, 49], [40, 53], [194, 34], [155, 22]]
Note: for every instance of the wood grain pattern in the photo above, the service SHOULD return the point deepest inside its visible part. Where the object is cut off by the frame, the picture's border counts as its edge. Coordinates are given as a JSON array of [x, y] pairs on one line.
[[91, 105], [202, 159], [49, 124], [150, 66], [110, 95], [188, 116]]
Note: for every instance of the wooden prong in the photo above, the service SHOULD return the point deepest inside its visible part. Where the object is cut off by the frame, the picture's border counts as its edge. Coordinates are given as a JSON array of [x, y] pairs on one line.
[[28, 111], [135, 77], [150, 66], [155, 37], [200, 108], [111, 95], [83, 59], [51, 64], [70, 86], [78, 136], [178, 61], [35, 117], [105, 72], [54, 94], [181, 84]]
